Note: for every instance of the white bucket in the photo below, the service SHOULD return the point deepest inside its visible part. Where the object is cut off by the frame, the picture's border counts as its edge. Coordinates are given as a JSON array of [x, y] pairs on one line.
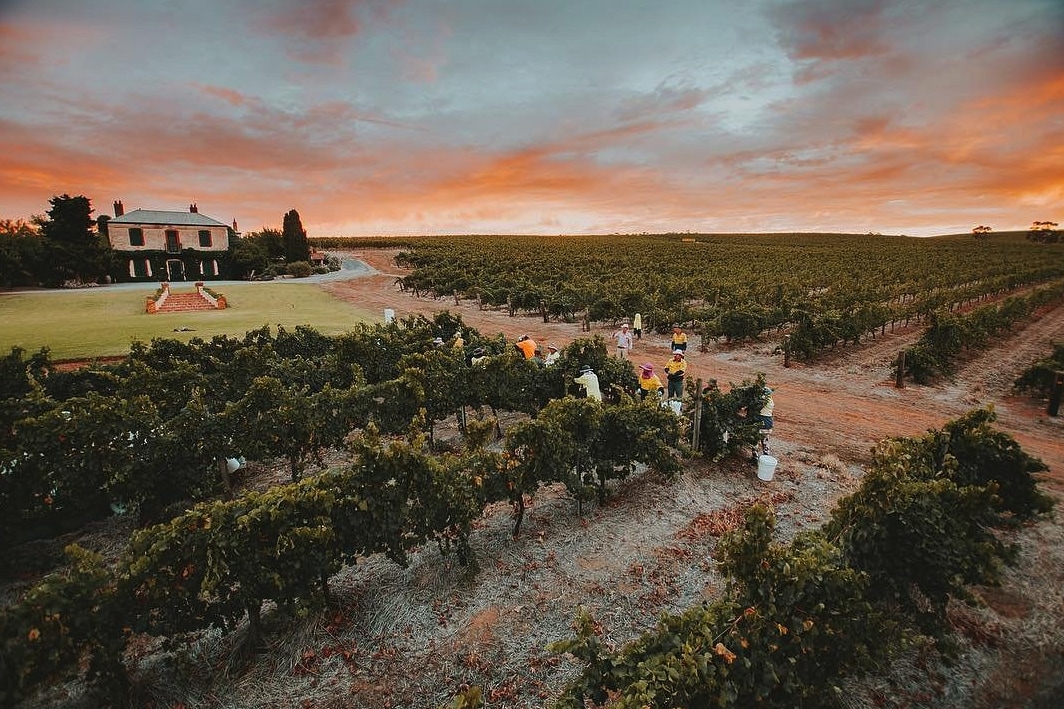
[[766, 467]]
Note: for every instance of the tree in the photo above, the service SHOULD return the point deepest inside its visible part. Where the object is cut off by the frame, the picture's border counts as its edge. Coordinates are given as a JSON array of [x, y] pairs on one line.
[[269, 240], [1045, 232], [247, 256], [296, 246], [74, 250], [981, 231], [21, 251]]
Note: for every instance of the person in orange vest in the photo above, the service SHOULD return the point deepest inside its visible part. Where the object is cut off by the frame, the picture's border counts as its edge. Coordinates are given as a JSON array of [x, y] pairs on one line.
[[527, 346]]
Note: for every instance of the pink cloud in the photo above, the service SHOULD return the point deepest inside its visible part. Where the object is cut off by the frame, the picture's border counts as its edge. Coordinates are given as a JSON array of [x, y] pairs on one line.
[[319, 30], [832, 29], [230, 96]]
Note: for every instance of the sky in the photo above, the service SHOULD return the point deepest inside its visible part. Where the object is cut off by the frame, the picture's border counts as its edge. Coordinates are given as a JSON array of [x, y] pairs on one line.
[[398, 117]]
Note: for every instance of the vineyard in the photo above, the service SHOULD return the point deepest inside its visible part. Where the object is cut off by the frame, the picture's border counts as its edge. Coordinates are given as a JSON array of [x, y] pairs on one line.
[[400, 479], [826, 290]]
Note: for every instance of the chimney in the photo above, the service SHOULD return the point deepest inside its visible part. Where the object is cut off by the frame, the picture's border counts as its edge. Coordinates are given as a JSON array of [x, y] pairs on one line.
[[119, 209], [193, 208]]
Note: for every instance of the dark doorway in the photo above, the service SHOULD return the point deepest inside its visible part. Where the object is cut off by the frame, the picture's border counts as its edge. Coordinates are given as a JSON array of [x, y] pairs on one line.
[[175, 270]]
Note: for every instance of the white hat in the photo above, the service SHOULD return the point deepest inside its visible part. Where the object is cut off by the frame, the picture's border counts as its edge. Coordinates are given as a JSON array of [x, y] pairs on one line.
[[678, 352]]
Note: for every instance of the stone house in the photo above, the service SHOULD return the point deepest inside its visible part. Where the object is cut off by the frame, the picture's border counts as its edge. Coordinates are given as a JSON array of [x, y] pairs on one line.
[[156, 245]]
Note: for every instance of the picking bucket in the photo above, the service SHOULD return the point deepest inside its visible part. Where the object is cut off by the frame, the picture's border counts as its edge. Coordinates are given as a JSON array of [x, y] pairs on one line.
[[766, 467]]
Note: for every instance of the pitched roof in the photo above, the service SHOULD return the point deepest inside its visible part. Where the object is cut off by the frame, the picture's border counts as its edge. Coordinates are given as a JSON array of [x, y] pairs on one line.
[[158, 216]]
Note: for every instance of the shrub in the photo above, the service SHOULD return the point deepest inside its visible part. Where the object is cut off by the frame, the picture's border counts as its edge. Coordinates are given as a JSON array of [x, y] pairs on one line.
[[300, 269]]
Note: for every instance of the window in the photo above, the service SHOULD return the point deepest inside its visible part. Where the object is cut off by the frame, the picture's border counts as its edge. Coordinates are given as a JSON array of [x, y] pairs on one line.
[[140, 268], [173, 242], [205, 238], [136, 236]]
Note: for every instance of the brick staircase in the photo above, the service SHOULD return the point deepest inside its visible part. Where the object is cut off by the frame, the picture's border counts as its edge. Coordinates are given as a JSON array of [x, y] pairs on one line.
[[185, 302]]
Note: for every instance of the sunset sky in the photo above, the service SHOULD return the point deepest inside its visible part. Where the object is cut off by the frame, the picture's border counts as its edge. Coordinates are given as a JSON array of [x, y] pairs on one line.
[[372, 117]]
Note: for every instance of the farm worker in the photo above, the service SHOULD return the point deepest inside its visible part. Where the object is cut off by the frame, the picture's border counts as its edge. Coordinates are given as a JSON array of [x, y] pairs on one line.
[[589, 381], [766, 419], [479, 355], [438, 342], [679, 339], [637, 326], [459, 343], [527, 346], [537, 358], [648, 381], [675, 369], [552, 354], [624, 341]]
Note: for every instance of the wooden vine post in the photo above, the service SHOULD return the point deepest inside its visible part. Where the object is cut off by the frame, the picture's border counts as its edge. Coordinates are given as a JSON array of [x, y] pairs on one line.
[[696, 415], [1055, 393]]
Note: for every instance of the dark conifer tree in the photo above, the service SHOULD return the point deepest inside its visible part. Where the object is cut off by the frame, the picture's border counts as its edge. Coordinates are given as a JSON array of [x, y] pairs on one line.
[[73, 249], [296, 246]]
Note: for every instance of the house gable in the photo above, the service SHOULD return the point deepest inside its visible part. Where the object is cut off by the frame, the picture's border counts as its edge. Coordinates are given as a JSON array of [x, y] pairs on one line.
[[156, 230]]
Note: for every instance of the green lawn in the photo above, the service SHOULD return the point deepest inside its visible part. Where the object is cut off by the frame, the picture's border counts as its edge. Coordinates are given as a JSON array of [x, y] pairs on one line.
[[100, 322]]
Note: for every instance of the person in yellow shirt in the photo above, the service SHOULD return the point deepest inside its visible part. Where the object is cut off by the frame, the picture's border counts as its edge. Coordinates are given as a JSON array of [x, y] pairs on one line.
[[675, 370], [649, 383], [679, 339]]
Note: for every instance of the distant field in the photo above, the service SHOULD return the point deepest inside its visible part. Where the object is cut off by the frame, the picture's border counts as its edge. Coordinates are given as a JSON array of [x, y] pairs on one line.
[[103, 322]]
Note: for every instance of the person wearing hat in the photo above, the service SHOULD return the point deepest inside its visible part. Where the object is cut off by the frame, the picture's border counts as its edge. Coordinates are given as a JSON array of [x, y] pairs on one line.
[[459, 342], [527, 346], [478, 356], [552, 355], [637, 326], [675, 369], [589, 381], [679, 339], [648, 381], [624, 341], [438, 342]]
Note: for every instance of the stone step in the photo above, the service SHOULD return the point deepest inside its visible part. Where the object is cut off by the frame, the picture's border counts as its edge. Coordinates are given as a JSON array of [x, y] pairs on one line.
[[185, 302]]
